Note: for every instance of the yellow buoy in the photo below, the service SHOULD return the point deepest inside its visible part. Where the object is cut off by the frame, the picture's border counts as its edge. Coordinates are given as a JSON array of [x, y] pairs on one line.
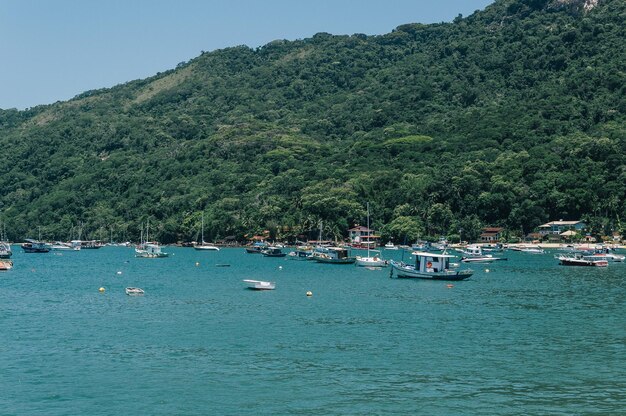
[[309, 293], [101, 290]]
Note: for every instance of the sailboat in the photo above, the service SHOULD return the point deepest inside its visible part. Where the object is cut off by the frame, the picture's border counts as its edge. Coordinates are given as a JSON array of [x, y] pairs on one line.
[[147, 249], [373, 256], [5, 247], [205, 246]]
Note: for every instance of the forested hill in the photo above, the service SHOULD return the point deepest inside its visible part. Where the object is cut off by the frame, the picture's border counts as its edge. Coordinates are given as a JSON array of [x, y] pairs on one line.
[[512, 116]]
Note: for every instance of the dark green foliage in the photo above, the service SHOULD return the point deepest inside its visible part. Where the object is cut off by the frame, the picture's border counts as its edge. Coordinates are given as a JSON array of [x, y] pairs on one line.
[[512, 116]]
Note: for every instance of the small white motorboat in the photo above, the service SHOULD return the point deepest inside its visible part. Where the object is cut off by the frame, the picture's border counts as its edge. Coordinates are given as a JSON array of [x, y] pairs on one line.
[[390, 246], [134, 291], [372, 260], [6, 264], [260, 285]]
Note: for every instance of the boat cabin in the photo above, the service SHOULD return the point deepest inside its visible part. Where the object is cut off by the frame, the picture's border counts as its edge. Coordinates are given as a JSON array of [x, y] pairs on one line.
[[432, 262]]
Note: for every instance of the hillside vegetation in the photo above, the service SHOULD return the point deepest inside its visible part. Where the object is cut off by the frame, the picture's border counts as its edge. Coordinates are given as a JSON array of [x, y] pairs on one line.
[[512, 116]]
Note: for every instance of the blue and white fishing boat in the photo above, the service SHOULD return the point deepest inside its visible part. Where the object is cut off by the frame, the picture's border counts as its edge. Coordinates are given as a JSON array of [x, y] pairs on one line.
[[430, 266]]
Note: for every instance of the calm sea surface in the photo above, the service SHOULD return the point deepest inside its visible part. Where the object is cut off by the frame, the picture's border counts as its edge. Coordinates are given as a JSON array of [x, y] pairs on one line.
[[527, 337]]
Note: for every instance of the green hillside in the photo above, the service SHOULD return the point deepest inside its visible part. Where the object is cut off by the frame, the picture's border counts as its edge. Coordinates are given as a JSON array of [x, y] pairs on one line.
[[512, 116]]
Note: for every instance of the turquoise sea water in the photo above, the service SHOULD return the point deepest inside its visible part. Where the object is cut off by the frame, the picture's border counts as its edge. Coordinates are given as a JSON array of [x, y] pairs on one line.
[[527, 337]]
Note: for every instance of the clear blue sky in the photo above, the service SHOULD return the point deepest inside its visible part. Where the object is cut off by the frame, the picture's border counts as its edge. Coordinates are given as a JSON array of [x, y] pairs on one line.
[[53, 50]]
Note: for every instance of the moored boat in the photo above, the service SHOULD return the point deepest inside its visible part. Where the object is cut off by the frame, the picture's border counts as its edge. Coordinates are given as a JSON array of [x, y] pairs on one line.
[[334, 255], [371, 260], [302, 253], [578, 259], [431, 266], [5, 250], [256, 248], [260, 284], [204, 245], [6, 265], [273, 252], [149, 251], [34, 246], [134, 291]]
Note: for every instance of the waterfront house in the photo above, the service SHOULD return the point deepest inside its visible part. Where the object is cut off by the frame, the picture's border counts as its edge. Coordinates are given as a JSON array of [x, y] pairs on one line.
[[491, 234], [363, 236], [560, 226]]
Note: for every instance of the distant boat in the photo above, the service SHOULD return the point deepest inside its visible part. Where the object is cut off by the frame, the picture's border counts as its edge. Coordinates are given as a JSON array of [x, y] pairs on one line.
[[431, 266], [59, 245], [5, 250], [372, 260], [578, 259], [86, 244], [273, 252], [6, 265], [204, 245], [302, 253], [333, 255], [34, 246], [260, 285], [149, 250], [134, 291], [256, 248], [375, 260], [474, 254]]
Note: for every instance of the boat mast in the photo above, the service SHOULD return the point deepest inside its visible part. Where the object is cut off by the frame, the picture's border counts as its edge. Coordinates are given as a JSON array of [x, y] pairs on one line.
[[202, 228], [368, 230]]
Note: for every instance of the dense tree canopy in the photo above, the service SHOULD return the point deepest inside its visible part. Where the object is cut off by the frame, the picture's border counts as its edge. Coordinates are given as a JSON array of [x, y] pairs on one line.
[[512, 116]]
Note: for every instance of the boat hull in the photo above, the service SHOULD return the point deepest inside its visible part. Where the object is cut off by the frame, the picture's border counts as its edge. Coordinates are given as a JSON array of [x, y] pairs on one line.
[[206, 248], [584, 263], [346, 260], [260, 285], [409, 272]]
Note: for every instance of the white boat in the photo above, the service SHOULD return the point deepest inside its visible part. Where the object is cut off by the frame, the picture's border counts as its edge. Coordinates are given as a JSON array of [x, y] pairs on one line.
[[484, 259], [302, 253], [373, 260], [149, 251], [204, 245], [59, 245], [474, 254], [578, 259], [260, 284], [532, 250], [5, 250], [6, 265], [134, 291], [432, 266]]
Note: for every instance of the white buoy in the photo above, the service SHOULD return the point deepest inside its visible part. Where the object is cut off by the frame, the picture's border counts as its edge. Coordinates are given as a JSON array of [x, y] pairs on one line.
[[309, 293], [119, 272], [280, 267], [197, 264], [487, 270], [101, 290]]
